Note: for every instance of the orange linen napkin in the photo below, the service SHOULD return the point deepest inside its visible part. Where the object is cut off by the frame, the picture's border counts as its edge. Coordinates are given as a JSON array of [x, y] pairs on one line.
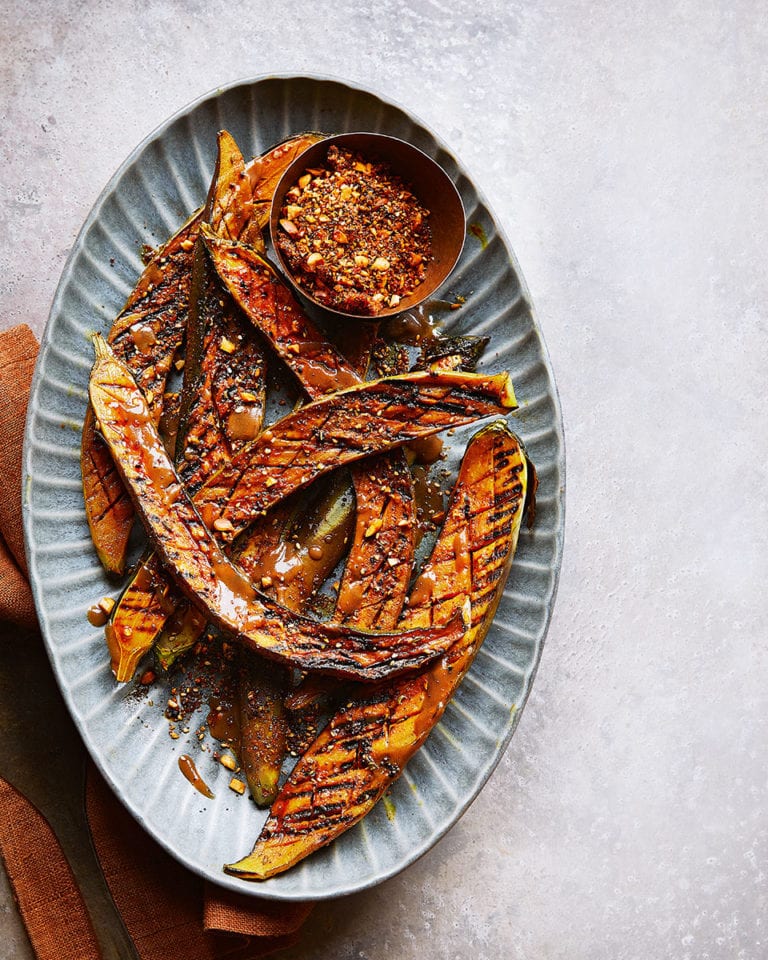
[[169, 912]]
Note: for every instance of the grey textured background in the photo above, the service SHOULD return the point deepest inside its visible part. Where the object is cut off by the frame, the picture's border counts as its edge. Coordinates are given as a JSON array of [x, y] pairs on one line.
[[624, 149]]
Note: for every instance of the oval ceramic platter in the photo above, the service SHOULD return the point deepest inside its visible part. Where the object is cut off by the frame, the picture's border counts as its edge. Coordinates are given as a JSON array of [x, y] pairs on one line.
[[162, 181]]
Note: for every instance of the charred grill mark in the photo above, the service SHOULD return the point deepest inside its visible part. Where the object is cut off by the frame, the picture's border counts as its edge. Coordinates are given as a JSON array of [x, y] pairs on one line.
[[392, 769], [116, 497], [288, 830], [364, 798], [356, 727], [330, 788]]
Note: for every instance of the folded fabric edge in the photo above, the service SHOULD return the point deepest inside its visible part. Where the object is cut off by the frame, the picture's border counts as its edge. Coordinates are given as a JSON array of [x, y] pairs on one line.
[[18, 355], [50, 904]]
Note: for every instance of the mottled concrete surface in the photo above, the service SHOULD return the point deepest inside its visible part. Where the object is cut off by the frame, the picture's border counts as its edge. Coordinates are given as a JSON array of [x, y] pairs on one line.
[[625, 149]]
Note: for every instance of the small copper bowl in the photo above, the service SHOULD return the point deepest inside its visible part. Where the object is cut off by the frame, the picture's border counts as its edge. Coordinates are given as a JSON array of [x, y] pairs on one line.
[[431, 185]]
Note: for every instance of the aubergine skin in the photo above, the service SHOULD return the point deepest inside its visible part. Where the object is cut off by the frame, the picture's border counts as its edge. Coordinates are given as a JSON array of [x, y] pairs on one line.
[[367, 743], [200, 568], [262, 688]]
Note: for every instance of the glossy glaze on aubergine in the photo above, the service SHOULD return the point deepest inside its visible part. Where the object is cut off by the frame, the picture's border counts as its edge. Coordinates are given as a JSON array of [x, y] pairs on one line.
[[214, 383]]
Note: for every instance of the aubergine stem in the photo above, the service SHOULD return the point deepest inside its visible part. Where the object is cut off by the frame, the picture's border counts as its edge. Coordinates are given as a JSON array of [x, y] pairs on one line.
[[198, 565], [366, 744]]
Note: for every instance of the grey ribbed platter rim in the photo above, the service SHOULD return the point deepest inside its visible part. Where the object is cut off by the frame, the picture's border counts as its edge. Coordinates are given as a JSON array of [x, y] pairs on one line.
[[61, 560]]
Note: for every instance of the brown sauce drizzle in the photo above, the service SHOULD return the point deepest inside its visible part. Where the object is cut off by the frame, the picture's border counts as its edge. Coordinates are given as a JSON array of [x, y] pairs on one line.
[[153, 274], [281, 564], [224, 719], [426, 449], [418, 324], [139, 432], [321, 373], [208, 514], [423, 589], [161, 474], [461, 552], [144, 337], [235, 592], [97, 616], [190, 771], [351, 597], [432, 703], [244, 424]]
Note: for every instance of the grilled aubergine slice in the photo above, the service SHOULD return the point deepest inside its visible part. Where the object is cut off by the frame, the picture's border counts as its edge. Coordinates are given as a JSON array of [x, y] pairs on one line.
[[341, 429], [146, 336], [366, 744], [375, 581], [149, 331], [223, 396], [205, 574], [221, 407]]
